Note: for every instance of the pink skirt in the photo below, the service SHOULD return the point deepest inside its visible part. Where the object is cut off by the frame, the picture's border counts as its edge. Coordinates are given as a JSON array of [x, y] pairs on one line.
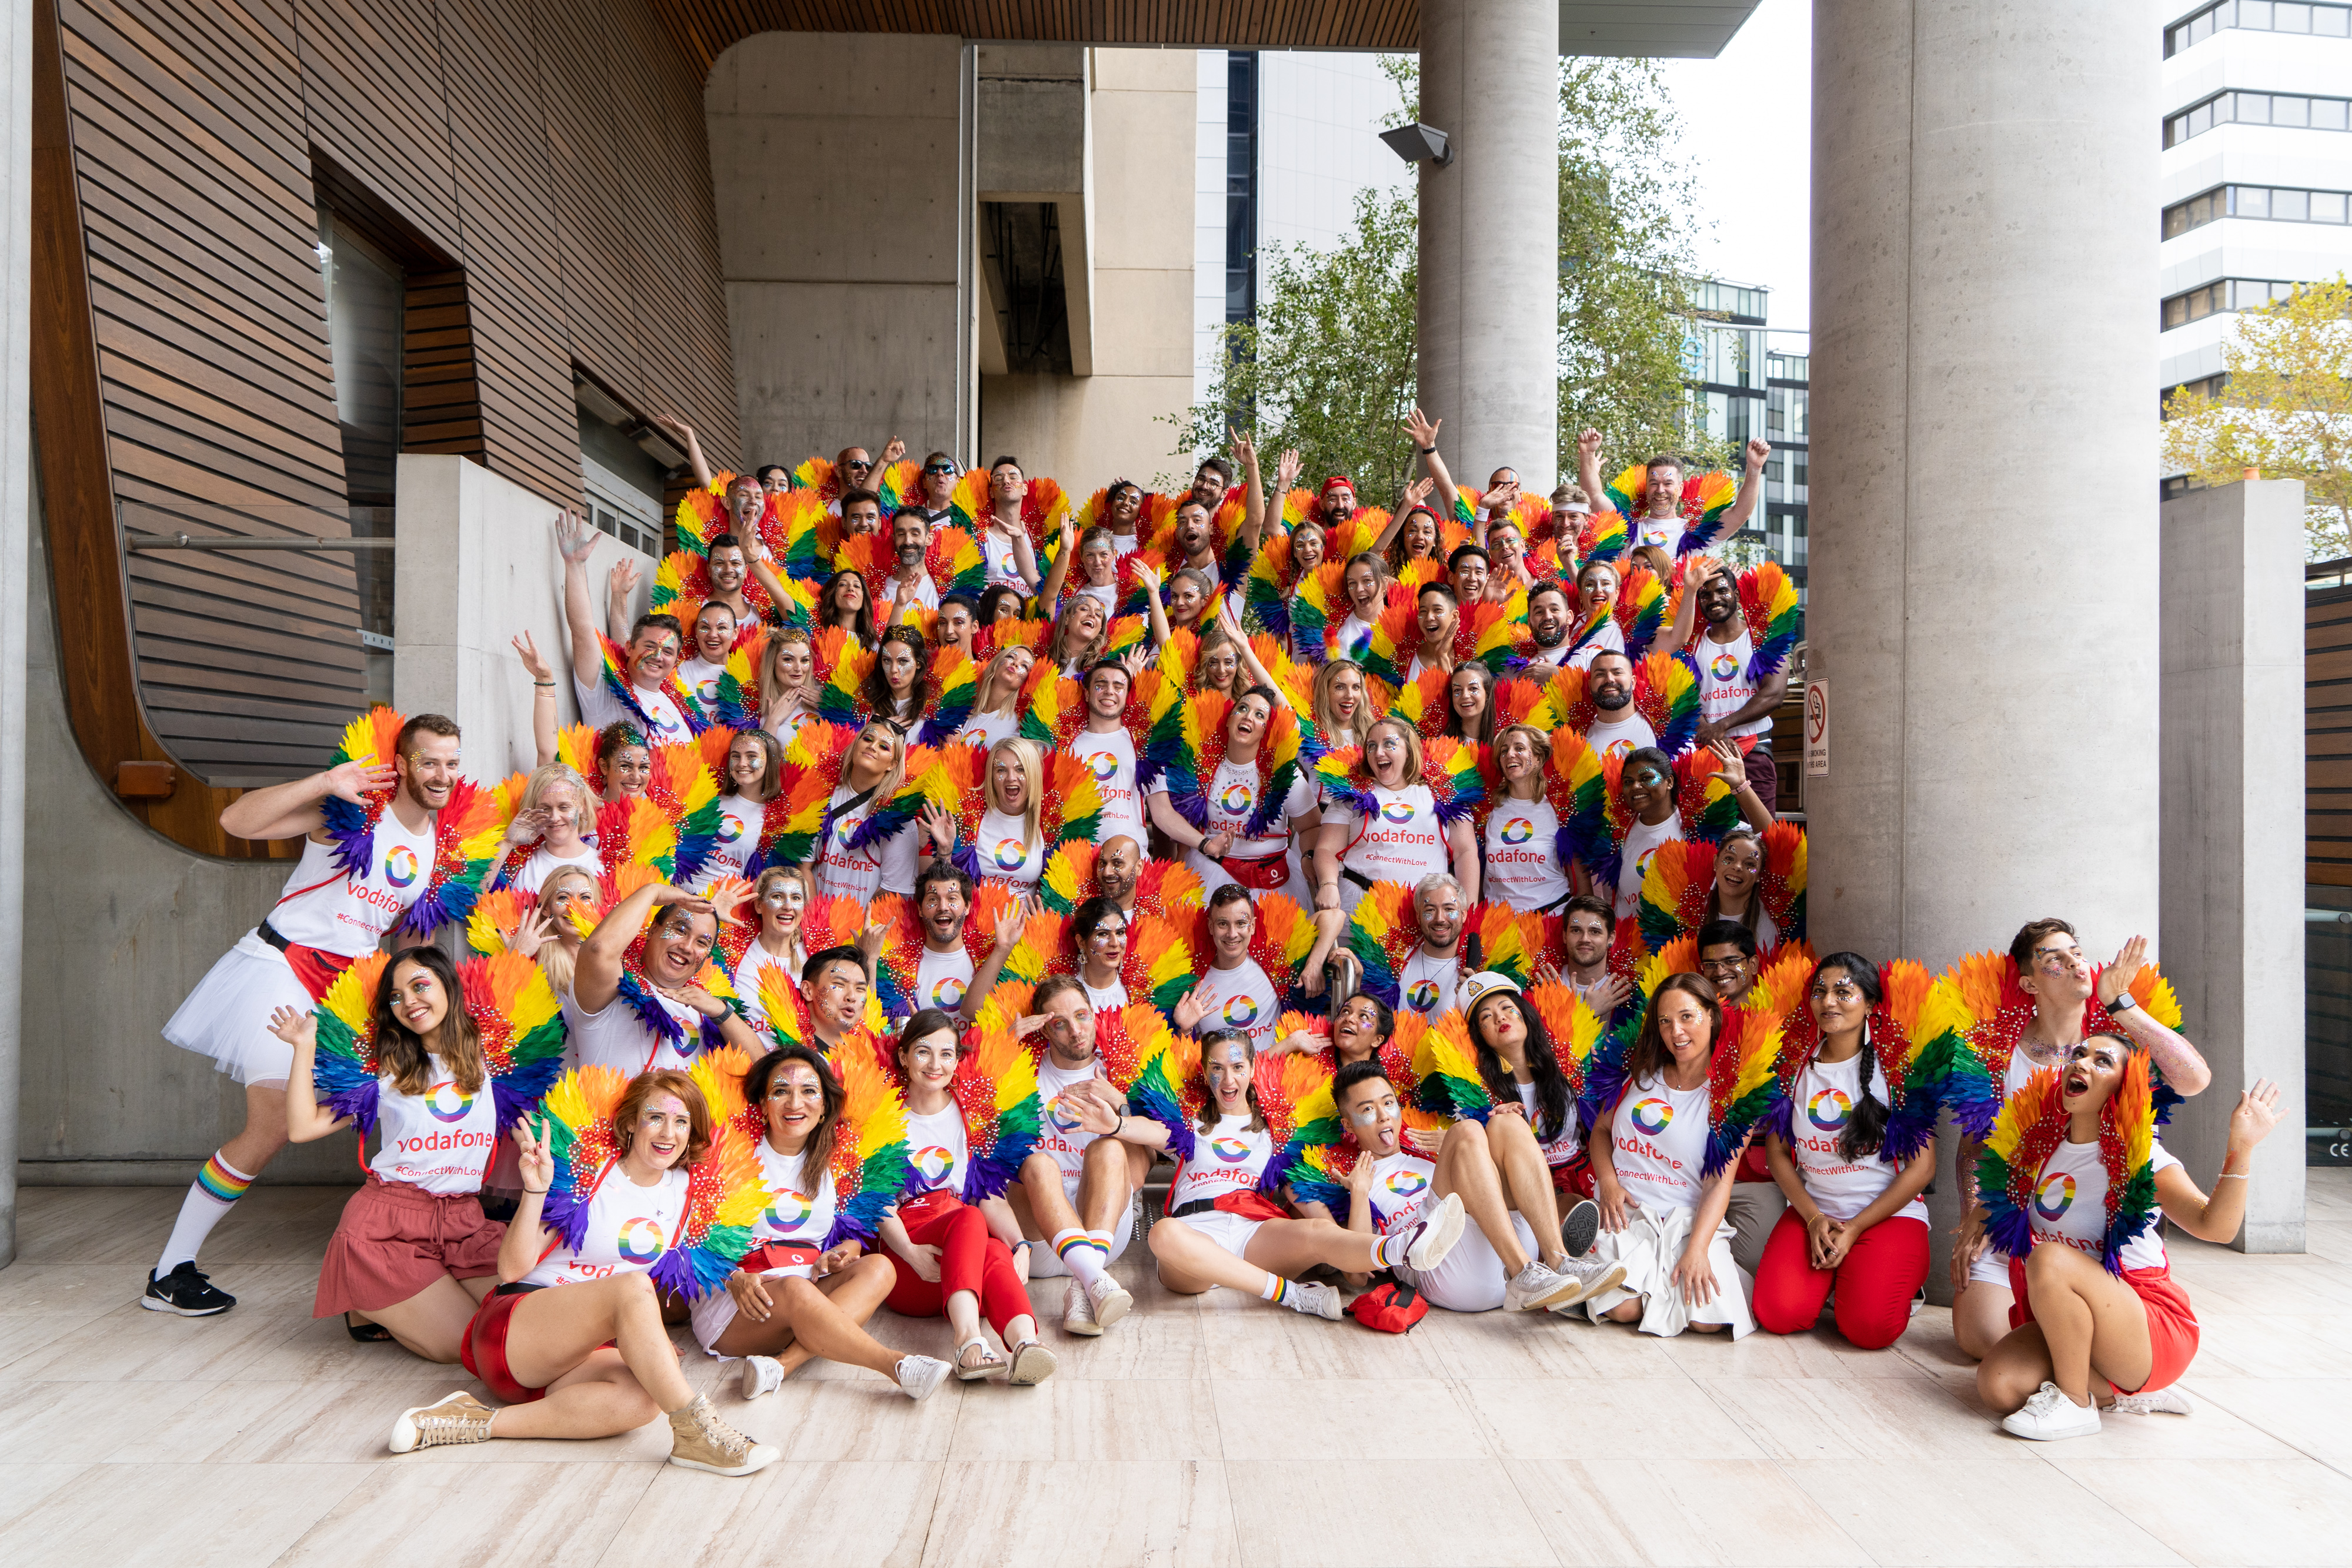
[[395, 1240]]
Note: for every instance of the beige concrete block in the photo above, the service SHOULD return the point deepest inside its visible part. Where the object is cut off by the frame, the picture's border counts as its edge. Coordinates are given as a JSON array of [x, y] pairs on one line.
[[1725, 1513], [819, 363], [892, 75], [1143, 323], [1143, 181], [807, 197], [1144, 70]]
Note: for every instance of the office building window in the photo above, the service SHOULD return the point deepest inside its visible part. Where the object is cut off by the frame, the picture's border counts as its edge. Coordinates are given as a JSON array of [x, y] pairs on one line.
[[1240, 186], [2210, 385], [2283, 108], [2257, 16], [2223, 293], [2276, 203]]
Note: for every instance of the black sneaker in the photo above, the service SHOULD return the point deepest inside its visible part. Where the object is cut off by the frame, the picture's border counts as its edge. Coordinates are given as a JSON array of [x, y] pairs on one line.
[[187, 1292], [1579, 1227]]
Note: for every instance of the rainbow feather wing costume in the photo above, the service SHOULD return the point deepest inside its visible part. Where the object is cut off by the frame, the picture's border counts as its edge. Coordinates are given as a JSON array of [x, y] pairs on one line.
[[1445, 1067], [1166, 1085], [468, 837], [954, 688], [1640, 610], [723, 1191], [2027, 1133], [1294, 1095], [870, 1164], [343, 1070], [1674, 891], [1266, 591], [1665, 693], [1578, 1040], [1704, 499], [1603, 536], [1742, 1087], [372, 737], [995, 1086], [1768, 602], [1782, 884]]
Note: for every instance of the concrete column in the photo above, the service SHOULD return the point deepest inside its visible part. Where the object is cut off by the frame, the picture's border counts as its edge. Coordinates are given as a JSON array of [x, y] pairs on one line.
[[2233, 794], [1489, 310], [15, 533], [1984, 549]]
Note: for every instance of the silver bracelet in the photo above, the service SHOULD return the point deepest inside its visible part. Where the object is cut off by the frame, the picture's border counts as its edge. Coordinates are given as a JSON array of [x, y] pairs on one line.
[[2228, 1176]]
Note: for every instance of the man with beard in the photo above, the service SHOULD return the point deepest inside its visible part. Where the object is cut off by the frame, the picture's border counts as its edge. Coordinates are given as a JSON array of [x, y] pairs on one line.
[[1657, 532], [1107, 749], [1234, 991], [329, 915], [1211, 480], [1585, 933], [730, 561], [911, 584], [1432, 969], [1733, 699], [1617, 728], [945, 975], [1550, 620]]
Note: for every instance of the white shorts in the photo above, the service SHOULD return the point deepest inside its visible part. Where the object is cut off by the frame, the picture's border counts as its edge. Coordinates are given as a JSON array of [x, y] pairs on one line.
[[1650, 1246], [227, 1017], [1991, 1268], [1230, 1232], [1470, 1277], [714, 1311], [1044, 1263]]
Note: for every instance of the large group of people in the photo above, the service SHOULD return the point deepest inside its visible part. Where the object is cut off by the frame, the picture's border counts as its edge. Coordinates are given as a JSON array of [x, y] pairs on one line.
[[947, 884]]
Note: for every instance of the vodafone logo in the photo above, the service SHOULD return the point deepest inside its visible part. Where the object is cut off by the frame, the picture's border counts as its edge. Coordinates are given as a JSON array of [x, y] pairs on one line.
[[931, 1165], [1405, 1184], [400, 866], [788, 1211], [1829, 1110], [730, 827], [1103, 765], [1620, 749], [448, 1103], [1241, 1012], [1009, 853], [2054, 1196], [1232, 1151], [1723, 667], [706, 692], [1652, 1114], [1423, 996], [1396, 811], [640, 1240], [1063, 1114], [1518, 831], [1235, 799], [948, 994]]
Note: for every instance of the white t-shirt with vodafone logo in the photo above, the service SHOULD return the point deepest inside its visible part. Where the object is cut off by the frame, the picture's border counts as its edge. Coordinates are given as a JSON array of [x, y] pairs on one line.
[[1658, 1144], [740, 820], [1006, 855], [2070, 1205], [325, 909], [1642, 844], [987, 728], [1822, 1102], [942, 978], [701, 679], [1240, 997], [1607, 638], [938, 1150], [1059, 1131], [440, 1141], [1230, 1159], [1724, 687], [793, 1213], [1232, 802], [600, 707], [1562, 1150], [629, 1228], [1523, 855], [859, 874], [1110, 758], [1403, 841], [1622, 736], [1402, 1185], [1427, 984]]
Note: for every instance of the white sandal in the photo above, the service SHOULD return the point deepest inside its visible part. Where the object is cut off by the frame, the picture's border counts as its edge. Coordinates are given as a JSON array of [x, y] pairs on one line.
[[991, 1364], [1031, 1364]]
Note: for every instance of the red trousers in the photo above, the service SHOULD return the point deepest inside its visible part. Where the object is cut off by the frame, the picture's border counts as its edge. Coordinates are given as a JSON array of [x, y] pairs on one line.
[[1882, 1273], [970, 1260]]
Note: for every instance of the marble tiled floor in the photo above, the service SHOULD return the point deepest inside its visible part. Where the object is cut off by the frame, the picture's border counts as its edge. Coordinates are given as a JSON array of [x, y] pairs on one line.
[[1198, 1431]]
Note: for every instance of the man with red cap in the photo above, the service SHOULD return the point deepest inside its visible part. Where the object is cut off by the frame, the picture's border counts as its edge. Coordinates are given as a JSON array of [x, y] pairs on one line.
[[1336, 502]]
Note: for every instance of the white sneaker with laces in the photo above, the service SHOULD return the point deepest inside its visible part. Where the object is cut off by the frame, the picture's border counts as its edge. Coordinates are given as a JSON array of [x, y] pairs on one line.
[[2049, 1416], [1436, 1235], [1315, 1299], [2161, 1402], [1110, 1301], [1593, 1278], [1535, 1287], [1078, 1312], [762, 1375], [919, 1377]]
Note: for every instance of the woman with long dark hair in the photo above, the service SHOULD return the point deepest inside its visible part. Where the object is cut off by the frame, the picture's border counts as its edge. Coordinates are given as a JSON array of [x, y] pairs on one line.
[[842, 603], [898, 687]]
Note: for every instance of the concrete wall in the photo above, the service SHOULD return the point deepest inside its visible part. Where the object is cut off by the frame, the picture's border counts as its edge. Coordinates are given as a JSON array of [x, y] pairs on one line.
[[477, 565], [1086, 429], [2232, 700], [15, 560], [836, 171]]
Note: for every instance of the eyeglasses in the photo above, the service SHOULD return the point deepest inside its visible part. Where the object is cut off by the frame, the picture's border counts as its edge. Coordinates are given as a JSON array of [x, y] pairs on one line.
[[1722, 966], [860, 466], [940, 468]]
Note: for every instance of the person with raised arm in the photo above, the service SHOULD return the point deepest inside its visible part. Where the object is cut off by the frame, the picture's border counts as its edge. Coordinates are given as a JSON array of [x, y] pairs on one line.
[[1659, 531], [369, 828], [644, 689], [1005, 541], [996, 711], [657, 1014], [788, 682], [1739, 688], [553, 820]]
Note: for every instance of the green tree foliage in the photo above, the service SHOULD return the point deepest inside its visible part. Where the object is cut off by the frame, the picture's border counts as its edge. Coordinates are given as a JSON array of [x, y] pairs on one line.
[[1328, 365], [2285, 411]]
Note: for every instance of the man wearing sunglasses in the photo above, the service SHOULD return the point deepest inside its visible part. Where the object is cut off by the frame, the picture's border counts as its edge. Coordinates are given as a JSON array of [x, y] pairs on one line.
[[933, 487]]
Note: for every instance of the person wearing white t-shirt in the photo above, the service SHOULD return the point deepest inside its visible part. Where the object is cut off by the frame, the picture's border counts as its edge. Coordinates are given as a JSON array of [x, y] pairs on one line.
[[1436, 613], [1107, 748], [1617, 728], [2052, 969], [779, 901], [607, 1028], [1218, 842], [709, 642], [1099, 929], [909, 586], [579, 1350], [1525, 868], [945, 977], [1550, 621], [1234, 991], [1588, 928], [1657, 525], [1402, 839], [1661, 1213], [553, 818], [1647, 787], [754, 777], [1004, 544], [1738, 868], [788, 682], [1222, 1228], [2125, 1325], [871, 776], [996, 712], [1593, 630], [1008, 845], [800, 1292], [1855, 1221], [656, 644], [1735, 698], [1079, 1192]]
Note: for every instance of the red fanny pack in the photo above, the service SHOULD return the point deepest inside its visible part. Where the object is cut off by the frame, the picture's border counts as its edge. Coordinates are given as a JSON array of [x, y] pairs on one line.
[[1391, 1308], [779, 1254], [1265, 876], [1250, 1205]]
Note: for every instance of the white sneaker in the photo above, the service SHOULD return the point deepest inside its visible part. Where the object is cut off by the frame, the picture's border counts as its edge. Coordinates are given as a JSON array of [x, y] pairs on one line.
[[456, 1418], [2050, 1415], [2162, 1402], [919, 1377], [1315, 1300], [1434, 1237], [1593, 1278], [762, 1375], [1078, 1312], [1110, 1301], [1535, 1287]]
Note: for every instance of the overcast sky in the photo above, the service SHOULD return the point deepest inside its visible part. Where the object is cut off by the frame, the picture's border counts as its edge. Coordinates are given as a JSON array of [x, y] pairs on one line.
[[1746, 130]]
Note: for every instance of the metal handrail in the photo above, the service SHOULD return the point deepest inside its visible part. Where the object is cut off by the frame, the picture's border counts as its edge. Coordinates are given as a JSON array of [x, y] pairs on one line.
[[193, 541]]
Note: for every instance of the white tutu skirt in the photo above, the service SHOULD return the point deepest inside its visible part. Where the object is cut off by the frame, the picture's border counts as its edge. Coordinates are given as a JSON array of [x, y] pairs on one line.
[[227, 1017], [1650, 1246], [713, 1312]]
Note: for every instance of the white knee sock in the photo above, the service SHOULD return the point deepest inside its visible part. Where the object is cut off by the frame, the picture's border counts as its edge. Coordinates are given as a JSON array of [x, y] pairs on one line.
[[1080, 1255], [1389, 1249], [210, 1196]]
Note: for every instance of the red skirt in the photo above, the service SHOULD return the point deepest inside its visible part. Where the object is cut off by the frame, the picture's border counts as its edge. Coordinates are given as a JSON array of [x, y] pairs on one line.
[[2171, 1321], [395, 1240]]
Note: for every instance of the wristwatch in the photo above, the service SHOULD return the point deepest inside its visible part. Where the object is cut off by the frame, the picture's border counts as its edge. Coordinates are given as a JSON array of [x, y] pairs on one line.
[[2122, 1004]]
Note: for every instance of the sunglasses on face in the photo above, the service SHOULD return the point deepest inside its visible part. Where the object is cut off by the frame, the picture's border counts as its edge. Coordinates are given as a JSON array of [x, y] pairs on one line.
[[941, 468]]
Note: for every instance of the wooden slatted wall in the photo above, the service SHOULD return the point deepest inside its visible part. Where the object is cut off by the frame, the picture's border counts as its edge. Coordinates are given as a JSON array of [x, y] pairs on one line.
[[545, 168], [2327, 735]]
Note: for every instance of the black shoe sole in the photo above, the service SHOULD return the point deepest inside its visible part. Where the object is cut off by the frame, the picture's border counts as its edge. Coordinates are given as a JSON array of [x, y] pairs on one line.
[[158, 1305], [1579, 1227]]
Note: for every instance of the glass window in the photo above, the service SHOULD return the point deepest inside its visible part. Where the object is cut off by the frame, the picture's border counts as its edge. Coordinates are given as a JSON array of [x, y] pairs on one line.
[[2331, 21], [2254, 14], [2327, 206], [2287, 17], [2290, 111], [2291, 206], [2327, 113], [2246, 108], [2253, 201]]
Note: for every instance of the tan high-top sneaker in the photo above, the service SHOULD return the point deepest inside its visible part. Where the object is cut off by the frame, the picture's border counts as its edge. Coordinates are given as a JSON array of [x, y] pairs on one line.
[[699, 1440], [457, 1418]]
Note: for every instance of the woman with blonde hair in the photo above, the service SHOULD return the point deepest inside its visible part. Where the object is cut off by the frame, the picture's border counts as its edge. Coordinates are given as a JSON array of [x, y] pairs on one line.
[[755, 761], [867, 844], [1007, 844], [1398, 812], [788, 682], [1342, 704], [551, 828], [549, 934], [779, 906], [997, 713], [1081, 632]]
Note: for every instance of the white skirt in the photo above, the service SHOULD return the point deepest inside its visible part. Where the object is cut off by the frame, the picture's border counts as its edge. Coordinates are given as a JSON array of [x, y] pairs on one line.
[[1230, 1232], [713, 1312], [227, 1017], [1044, 1263], [1650, 1246], [1469, 1278]]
